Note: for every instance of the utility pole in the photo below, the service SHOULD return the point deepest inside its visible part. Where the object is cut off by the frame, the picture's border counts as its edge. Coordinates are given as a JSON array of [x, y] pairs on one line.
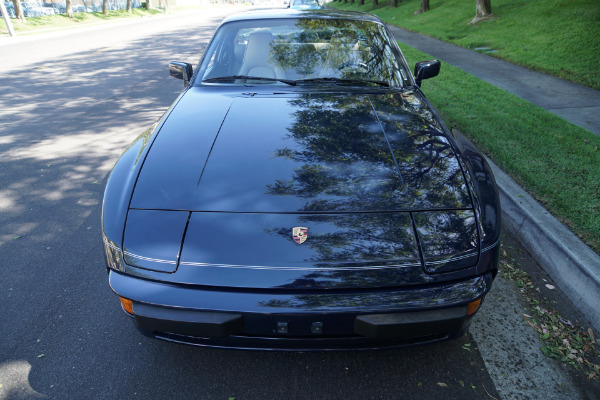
[[7, 20]]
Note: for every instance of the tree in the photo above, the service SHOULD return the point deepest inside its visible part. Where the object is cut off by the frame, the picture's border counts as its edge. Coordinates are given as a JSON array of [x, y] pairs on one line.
[[69, 9], [374, 2], [483, 10], [129, 6], [105, 7], [19, 10], [148, 4], [7, 20], [393, 3], [424, 7], [361, 2]]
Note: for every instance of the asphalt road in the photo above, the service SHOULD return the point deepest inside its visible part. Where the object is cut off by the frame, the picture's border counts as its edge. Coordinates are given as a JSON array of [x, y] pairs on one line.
[[69, 104]]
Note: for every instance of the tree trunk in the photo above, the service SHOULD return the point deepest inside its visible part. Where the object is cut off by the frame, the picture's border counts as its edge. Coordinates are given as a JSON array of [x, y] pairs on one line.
[[483, 10], [105, 7], [148, 5], [374, 3], [424, 7], [18, 10], [129, 6], [69, 8], [393, 3], [361, 2], [7, 21]]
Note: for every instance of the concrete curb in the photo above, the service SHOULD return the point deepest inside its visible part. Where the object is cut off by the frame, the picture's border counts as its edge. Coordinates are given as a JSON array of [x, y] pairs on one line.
[[571, 263]]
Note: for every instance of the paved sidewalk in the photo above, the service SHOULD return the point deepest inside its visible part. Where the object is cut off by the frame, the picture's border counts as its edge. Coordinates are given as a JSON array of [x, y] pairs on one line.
[[577, 104], [33, 35], [572, 264]]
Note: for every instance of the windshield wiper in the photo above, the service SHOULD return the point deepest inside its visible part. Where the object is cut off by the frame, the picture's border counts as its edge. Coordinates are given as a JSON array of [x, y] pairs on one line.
[[254, 78], [341, 80]]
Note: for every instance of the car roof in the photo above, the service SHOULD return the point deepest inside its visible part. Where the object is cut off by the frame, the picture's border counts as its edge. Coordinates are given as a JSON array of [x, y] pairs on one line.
[[296, 13]]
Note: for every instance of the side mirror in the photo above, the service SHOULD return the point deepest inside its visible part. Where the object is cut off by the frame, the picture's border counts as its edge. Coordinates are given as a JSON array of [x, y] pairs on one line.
[[426, 70], [181, 70]]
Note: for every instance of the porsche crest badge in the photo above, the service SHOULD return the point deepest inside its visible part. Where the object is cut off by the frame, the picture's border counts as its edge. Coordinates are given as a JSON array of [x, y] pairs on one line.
[[299, 233]]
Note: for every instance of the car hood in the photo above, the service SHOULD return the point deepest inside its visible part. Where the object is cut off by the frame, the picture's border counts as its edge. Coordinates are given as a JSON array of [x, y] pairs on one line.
[[286, 153], [369, 178]]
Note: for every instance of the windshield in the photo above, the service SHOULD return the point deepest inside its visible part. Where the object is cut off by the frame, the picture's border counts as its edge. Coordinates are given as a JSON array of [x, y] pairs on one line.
[[305, 4], [302, 51]]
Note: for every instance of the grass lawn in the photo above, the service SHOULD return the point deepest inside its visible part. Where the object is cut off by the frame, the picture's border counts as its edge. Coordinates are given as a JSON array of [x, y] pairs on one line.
[[80, 19], [559, 37], [557, 162]]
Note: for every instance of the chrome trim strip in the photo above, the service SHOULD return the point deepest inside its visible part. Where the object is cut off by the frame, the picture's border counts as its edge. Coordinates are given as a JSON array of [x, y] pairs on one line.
[[111, 244], [452, 259], [149, 259], [492, 246], [197, 264]]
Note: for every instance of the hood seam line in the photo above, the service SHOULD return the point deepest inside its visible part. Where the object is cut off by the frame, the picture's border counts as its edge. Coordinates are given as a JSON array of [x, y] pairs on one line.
[[388, 143]]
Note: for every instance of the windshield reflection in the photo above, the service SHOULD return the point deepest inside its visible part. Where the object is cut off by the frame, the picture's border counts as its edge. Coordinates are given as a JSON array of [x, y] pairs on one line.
[[299, 49]]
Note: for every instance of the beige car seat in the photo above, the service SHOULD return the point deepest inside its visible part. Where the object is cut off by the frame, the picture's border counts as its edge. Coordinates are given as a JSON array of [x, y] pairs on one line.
[[256, 59]]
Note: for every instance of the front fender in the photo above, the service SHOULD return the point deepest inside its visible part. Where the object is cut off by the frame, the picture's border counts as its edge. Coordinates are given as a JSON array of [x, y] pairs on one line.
[[122, 180], [119, 187], [486, 197]]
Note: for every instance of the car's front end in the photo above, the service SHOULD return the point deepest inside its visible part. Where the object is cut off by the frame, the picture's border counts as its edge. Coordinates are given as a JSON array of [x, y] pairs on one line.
[[301, 319], [319, 213]]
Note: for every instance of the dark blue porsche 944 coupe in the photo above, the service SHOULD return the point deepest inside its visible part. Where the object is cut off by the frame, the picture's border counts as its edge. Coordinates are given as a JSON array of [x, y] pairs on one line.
[[301, 193]]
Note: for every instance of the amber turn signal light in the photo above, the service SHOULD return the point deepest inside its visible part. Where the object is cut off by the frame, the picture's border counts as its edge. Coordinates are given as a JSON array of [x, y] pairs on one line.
[[473, 306], [128, 305]]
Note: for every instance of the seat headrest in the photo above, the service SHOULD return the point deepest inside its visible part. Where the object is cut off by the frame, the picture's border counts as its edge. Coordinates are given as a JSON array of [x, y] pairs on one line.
[[258, 50]]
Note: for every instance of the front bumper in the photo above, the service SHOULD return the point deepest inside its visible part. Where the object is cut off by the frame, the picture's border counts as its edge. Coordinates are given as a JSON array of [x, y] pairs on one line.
[[309, 320]]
